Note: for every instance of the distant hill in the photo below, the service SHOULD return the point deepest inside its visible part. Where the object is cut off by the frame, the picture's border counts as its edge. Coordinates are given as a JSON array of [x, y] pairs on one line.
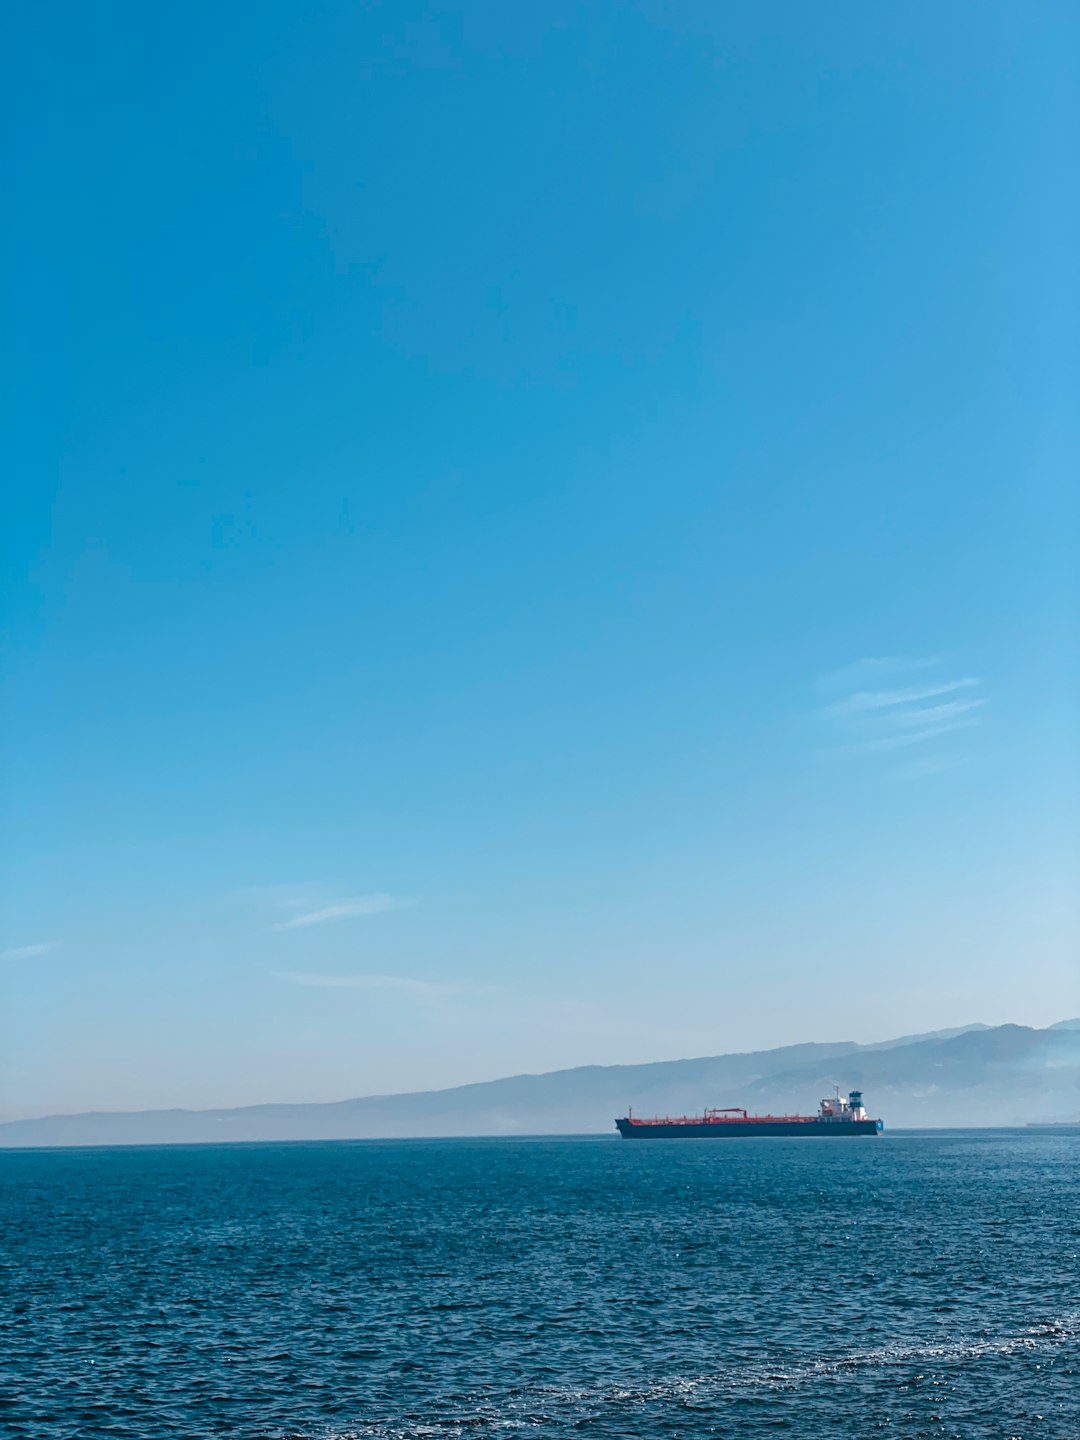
[[980, 1075]]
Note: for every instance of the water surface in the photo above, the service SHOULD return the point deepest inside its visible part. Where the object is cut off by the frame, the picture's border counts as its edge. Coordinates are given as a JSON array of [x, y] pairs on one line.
[[911, 1286]]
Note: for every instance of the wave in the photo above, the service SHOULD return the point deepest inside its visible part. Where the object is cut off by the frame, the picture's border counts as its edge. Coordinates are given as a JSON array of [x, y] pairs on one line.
[[538, 1407]]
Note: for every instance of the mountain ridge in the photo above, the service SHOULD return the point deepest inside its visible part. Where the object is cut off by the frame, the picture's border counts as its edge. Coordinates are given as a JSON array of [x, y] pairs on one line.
[[971, 1075]]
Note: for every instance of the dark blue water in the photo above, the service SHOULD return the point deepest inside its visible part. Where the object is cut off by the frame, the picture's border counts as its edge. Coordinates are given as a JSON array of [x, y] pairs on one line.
[[909, 1286]]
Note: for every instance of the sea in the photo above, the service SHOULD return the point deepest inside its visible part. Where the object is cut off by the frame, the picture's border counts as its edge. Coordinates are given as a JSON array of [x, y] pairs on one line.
[[913, 1285]]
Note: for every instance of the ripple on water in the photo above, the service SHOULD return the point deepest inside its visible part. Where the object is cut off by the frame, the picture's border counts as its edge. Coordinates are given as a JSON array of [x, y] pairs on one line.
[[919, 1287]]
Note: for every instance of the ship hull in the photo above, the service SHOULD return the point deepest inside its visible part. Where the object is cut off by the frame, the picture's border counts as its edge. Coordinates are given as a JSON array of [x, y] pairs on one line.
[[745, 1129]]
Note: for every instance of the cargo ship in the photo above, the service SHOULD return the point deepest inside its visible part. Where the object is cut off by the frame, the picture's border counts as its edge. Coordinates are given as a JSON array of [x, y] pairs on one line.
[[837, 1115]]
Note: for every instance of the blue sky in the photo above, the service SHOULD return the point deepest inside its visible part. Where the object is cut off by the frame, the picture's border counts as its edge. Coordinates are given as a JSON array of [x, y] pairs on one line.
[[537, 535]]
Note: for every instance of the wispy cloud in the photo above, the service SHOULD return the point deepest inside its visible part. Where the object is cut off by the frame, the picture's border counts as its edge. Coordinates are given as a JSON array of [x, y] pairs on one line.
[[29, 952], [874, 669], [864, 701], [911, 737], [399, 984], [867, 716], [350, 909], [933, 765], [926, 716]]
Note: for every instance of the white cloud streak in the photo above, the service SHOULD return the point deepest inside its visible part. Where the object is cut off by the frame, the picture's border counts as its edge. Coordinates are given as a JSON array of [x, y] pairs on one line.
[[870, 700], [868, 720], [393, 984], [29, 952], [921, 769], [929, 715], [351, 909], [913, 737], [875, 668]]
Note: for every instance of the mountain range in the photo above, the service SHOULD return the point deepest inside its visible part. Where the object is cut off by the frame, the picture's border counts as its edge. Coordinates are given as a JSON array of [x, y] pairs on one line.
[[976, 1076]]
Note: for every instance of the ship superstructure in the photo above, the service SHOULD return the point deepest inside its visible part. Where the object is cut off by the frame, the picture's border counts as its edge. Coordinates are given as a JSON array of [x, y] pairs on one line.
[[837, 1115]]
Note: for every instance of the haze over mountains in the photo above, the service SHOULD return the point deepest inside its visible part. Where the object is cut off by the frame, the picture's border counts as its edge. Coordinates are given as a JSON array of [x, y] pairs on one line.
[[977, 1076]]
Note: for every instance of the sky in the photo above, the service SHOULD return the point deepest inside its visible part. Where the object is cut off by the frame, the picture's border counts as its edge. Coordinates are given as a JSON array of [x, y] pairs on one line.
[[535, 535]]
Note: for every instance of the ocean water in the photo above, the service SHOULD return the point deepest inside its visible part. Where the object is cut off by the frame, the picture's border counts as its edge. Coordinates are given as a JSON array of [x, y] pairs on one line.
[[916, 1285]]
